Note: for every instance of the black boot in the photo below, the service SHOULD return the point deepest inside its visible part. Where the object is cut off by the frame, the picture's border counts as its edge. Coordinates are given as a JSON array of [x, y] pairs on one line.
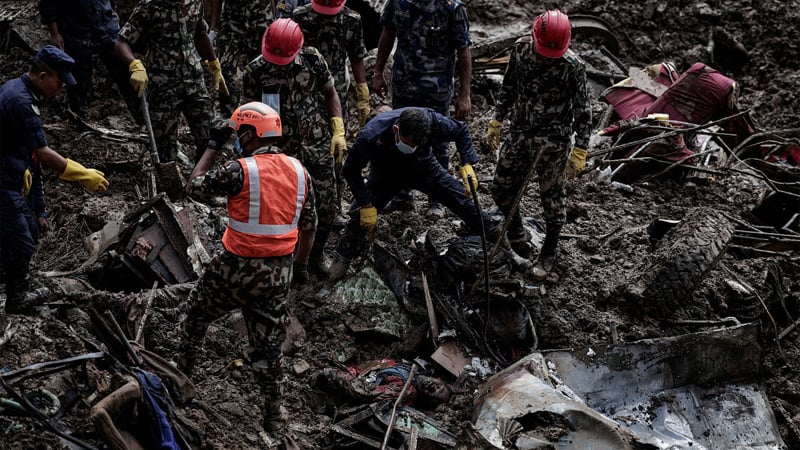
[[547, 255]]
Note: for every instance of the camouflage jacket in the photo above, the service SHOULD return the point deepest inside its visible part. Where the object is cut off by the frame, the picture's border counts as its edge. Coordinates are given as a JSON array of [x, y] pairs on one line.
[[285, 8], [244, 19], [428, 34], [337, 37], [548, 96], [228, 181], [299, 85], [168, 28]]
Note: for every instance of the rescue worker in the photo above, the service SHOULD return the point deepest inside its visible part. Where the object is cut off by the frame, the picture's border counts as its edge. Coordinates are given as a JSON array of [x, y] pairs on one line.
[[238, 27], [397, 146], [284, 8], [335, 30], [21, 139], [432, 38], [544, 93], [176, 38], [272, 223], [294, 79], [83, 28]]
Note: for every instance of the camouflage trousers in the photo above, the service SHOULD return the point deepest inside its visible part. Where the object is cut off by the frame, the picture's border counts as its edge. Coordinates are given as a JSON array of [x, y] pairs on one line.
[[320, 166], [259, 286], [234, 51], [517, 153], [168, 98]]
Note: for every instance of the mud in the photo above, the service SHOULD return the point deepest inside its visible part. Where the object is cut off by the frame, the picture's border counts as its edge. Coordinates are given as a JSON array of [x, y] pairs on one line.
[[606, 243]]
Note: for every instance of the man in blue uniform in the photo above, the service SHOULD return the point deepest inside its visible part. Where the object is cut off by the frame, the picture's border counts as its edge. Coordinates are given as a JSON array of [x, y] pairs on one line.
[[82, 28], [22, 138], [432, 38], [397, 145]]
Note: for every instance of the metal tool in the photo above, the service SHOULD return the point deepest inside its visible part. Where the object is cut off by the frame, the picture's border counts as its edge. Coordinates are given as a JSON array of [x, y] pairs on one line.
[[164, 177]]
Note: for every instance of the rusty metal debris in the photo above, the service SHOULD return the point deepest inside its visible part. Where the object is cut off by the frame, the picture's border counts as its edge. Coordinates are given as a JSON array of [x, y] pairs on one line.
[[696, 390], [155, 242]]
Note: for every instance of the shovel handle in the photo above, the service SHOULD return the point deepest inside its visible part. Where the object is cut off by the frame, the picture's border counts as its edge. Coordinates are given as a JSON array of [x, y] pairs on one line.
[[149, 125]]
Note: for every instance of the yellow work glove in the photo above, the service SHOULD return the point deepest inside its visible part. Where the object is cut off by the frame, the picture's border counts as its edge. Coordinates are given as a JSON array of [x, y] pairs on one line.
[[493, 134], [369, 217], [216, 74], [27, 181], [468, 172], [362, 104], [138, 76], [338, 144], [91, 179], [576, 163]]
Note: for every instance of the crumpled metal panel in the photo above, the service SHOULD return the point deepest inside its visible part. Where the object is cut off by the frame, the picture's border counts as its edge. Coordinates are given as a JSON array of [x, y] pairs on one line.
[[695, 391]]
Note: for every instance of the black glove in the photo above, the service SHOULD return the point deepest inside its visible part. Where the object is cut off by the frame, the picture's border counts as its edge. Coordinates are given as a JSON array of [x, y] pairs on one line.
[[300, 271], [219, 131]]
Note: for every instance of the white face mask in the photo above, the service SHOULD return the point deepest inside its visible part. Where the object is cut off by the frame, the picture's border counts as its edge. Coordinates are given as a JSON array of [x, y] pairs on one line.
[[402, 146], [405, 148]]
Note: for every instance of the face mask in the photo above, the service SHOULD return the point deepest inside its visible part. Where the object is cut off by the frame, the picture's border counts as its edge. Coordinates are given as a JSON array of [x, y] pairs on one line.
[[237, 146], [405, 148]]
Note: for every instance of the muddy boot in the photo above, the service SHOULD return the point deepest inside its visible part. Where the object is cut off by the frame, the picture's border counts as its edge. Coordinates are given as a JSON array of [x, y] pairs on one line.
[[275, 418], [338, 269], [547, 255], [25, 303], [319, 265], [520, 241]]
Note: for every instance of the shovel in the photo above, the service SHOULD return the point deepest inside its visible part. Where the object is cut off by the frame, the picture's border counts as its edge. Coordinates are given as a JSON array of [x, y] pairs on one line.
[[164, 177]]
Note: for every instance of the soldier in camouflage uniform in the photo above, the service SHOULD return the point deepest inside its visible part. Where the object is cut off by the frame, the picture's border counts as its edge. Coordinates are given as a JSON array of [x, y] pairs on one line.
[[176, 36], [300, 87], [432, 36], [241, 24], [335, 30], [254, 270], [83, 28], [546, 86], [285, 8]]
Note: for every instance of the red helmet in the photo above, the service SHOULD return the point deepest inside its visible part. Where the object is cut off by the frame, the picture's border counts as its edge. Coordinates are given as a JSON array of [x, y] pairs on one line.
[[552, 33], [282, 41], [327, 7], [263, 118]]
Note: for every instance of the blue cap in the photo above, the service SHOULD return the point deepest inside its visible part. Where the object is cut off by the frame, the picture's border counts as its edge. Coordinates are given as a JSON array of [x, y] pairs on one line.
[[59, 61]]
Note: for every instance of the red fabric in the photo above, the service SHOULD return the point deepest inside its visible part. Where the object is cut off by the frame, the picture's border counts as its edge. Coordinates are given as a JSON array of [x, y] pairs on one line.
[[630, 102]]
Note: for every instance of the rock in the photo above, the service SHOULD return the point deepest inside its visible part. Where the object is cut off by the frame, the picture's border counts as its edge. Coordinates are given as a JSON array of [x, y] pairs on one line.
[[300, 367]]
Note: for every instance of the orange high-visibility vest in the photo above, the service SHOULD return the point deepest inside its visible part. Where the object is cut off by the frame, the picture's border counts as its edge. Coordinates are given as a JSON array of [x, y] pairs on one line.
[[264, 214]]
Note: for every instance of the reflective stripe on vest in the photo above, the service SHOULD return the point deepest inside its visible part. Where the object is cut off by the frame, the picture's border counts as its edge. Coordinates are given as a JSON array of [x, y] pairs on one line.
[[252, 226]]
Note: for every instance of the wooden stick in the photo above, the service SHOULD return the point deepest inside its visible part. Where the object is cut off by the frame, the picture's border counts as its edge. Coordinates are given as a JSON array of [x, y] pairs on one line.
[[393, 417], [145, 314], [431, 311]]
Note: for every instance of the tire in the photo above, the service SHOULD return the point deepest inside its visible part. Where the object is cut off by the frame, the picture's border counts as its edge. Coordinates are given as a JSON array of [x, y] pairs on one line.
[[689, 252]]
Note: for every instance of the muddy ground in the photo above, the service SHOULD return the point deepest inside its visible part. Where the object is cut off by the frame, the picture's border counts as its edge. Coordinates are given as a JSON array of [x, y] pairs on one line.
[[605, 246]]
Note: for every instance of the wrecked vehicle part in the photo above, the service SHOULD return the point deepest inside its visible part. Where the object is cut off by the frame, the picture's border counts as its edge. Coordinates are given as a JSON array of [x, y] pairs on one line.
[[668, 280], [34, 412], [366, 423], [409, 419], [659, 393], [517, 404], [156, 242]]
